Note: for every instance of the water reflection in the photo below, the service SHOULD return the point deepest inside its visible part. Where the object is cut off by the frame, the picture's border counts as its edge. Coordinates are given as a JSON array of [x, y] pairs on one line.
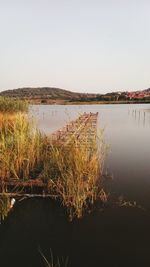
[[141, 116]]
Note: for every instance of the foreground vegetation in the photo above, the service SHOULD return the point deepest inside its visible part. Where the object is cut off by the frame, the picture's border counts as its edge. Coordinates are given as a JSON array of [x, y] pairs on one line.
[[74, 172], [21, 148], [71, 171]]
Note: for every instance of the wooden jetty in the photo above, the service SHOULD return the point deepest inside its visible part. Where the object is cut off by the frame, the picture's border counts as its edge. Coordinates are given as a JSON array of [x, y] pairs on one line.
[[83, 129]]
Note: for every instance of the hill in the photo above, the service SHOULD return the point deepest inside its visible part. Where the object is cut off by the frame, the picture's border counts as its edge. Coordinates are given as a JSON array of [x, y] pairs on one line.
[[46, 93]]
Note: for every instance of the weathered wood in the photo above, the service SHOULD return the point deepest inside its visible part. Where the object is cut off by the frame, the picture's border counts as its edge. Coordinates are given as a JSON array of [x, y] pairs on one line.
[[24, 195], [82, 128]]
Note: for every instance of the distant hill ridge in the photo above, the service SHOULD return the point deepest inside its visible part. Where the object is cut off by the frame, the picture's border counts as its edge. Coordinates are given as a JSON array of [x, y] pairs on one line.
[[52, 95], [45, 92]]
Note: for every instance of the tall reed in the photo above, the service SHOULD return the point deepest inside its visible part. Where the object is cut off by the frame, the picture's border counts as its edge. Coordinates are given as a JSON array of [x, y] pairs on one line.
[[21, 147], [12, 105], [54, 262], [74, 172]]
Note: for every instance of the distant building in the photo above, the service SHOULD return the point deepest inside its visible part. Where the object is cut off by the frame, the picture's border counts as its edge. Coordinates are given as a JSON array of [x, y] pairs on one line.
[[138, 94]]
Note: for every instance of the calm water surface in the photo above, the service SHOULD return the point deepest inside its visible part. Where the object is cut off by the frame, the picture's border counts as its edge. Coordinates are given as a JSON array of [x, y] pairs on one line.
[[127, 130], [115, 237]]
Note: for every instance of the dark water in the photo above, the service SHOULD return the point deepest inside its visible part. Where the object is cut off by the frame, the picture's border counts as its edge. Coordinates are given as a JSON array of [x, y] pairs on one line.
[[114, 237]]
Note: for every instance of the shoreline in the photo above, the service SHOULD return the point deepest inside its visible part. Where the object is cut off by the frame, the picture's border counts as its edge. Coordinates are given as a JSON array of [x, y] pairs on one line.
[[39, 102]]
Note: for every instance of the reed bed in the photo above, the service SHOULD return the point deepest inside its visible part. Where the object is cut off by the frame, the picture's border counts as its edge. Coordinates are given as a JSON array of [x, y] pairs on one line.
[[74, 173], [10, 105], [21, 147]]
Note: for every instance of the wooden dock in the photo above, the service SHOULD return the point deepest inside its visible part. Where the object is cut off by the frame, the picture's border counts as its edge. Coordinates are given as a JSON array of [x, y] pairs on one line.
[[83, 129]]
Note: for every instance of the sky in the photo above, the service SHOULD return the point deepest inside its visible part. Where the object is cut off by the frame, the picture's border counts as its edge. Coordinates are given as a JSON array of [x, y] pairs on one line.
[[93, 46]]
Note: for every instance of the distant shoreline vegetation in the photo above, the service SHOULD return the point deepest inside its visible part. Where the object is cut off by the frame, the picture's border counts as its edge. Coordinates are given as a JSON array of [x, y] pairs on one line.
[[13, 104], [10, 105], [44, 101]]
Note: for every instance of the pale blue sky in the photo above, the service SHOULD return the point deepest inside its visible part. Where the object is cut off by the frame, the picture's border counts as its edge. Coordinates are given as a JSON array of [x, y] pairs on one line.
[[80, 45]]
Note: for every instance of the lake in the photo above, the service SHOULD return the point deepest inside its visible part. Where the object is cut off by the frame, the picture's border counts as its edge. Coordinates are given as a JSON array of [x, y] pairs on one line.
[[126, 131], [116, 236]]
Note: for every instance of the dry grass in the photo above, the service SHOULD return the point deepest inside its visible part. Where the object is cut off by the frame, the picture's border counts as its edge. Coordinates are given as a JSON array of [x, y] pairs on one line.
[[4, 206], [10, 105], [74, 172], [21, 147]]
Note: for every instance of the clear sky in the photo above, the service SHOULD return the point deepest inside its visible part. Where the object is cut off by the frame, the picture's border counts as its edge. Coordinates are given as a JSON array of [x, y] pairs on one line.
[[79, 45]]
